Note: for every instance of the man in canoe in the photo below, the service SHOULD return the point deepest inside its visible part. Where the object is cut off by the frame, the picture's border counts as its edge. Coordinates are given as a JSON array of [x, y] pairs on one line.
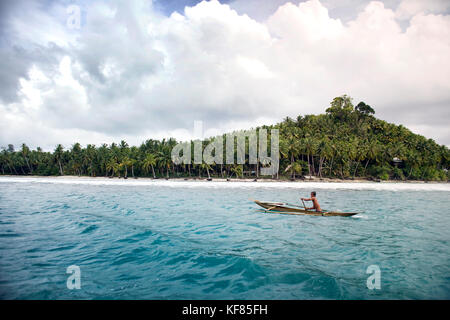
[[316, 205]]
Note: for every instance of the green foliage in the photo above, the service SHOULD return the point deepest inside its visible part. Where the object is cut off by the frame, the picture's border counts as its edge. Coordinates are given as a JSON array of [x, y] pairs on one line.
[[380, 172], [346, 142], [398, 174], [384, 176], [364, 109]]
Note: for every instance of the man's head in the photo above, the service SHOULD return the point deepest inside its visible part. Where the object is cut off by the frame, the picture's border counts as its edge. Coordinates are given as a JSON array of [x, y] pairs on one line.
[[313, 194]]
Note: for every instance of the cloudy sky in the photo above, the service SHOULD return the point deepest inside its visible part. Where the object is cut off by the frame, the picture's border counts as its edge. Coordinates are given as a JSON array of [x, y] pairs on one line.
[[144, 69]]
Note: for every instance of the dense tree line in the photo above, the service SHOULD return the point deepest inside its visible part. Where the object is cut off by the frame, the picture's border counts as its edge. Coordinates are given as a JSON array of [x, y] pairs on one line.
[[349, 142], [346, 142]]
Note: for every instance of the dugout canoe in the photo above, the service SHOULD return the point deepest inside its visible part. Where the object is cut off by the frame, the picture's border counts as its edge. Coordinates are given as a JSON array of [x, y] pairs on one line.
[[278, 207]]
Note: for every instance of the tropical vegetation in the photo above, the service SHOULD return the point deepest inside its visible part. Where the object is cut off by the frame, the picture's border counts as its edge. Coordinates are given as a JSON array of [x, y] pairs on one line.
[[347, 142]]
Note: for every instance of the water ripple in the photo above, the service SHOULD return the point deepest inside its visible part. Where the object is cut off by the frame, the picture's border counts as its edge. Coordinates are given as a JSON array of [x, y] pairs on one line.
[[188, 241]]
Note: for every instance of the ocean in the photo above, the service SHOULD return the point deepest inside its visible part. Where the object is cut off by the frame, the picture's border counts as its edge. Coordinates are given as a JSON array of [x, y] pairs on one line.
[[143, 239]]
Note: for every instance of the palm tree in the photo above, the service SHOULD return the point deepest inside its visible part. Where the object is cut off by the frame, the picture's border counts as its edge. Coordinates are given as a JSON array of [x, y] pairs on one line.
[[7, 159], [310, 148], [77, 158], [111, 165], [102, 158], [132, 163], [164, 159], [325, 151], [3, 162], [289, 146], [149, 162], [25, 154], [295, 167], [372, 149], [413, 161], [116, 169], [126, 163], [88, 158], [58, 155], [358, 153], [206, 167], [238, 170]]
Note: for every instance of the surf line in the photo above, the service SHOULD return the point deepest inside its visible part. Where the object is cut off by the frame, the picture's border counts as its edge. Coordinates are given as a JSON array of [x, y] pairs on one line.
[[199, 310]]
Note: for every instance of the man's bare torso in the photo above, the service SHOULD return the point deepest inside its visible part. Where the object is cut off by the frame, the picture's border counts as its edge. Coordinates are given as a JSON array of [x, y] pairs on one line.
[[316, 204]]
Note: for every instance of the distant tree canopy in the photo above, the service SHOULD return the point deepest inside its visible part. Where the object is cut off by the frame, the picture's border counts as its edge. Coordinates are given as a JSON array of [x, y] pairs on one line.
[[364, 108], [346, 142]]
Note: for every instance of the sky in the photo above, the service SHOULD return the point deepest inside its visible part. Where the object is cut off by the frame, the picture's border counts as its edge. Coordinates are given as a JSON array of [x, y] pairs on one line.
[[103, 71]]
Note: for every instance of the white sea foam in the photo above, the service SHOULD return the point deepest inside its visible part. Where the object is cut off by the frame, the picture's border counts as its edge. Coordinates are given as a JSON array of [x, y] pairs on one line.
[[360, 216], [389, 186]]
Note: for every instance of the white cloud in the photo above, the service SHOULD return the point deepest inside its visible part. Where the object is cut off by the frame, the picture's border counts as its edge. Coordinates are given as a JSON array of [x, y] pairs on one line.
[[409, 8], [130, 73]]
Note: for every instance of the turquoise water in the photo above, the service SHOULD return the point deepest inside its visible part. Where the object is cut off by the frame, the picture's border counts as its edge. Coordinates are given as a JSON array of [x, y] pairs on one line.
[[194, 240]]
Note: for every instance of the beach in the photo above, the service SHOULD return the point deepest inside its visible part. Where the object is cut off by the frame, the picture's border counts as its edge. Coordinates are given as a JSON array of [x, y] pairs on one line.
[[236, 183]]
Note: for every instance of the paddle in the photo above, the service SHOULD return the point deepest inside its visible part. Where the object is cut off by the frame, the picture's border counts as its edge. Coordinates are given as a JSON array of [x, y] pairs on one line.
[[304, 205]]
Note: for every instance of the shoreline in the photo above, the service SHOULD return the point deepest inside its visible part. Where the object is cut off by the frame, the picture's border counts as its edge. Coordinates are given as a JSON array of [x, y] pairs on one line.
[[231, 180]]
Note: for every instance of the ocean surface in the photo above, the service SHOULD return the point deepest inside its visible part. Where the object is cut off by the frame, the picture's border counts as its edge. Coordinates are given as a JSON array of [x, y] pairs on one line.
[[136, 239]]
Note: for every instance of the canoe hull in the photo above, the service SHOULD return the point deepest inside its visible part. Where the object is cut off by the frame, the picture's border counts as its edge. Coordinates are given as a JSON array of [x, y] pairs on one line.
[[281, 208]]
